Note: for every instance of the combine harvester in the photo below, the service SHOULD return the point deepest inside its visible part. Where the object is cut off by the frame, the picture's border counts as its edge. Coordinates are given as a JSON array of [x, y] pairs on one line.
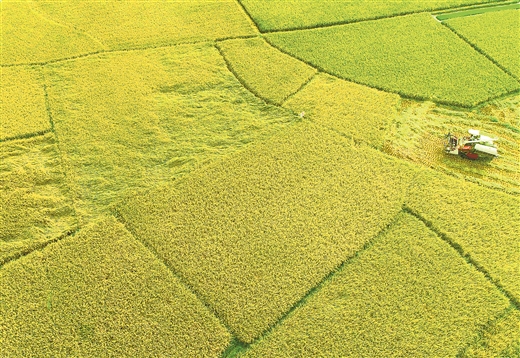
[[472, 146]]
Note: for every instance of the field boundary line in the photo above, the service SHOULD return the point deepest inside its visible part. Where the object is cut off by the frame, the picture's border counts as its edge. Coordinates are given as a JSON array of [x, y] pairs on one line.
[[63, 165], [248, 15], [312, 291], [465, 255], [14, 257], [117, 215], [486, 328], [26, 135], [302, 86], [479, 50], [380, 17], [240, 79], [476, 10]]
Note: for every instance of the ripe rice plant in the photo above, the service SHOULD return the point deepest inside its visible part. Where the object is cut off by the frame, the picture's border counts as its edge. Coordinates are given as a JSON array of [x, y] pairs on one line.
[[408, 295], [132, 24], [357, 111], [418, 135], [500, 339], [275, 15], [254, 232], [34, 200], [27, 37], [485, 223], [124, 126], [22, 103], [268, 72], [495, 34], [414, 56], [101, 293]]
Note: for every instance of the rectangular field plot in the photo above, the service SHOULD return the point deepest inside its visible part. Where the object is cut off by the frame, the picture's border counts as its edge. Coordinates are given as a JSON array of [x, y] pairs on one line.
[[408, 295], [277, 15], [34, 200], [494, 33], [254, 232], [269, 73], [22, 103], [132, 24], [485, 223], [414, 56], [357, 111], [29, 37], [101, 294], [131, 120]]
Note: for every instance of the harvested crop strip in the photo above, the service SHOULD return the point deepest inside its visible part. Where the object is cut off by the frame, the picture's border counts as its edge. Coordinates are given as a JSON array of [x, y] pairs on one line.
[[22, 103], [269, 73], [500, 339], [27, 37], [408, 295], [34, 199], [357, 111], [413, 55], [101, 293], [138, 24], [483, 222], [134, 119], [253, 233], [494, 33], [277, 15]]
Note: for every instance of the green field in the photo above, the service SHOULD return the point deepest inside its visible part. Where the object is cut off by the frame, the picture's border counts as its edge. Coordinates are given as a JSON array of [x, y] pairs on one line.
[[245, 178]]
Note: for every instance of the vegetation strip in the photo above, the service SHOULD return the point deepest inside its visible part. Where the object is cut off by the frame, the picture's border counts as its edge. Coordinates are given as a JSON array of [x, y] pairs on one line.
[[466, 256], [480, 10]]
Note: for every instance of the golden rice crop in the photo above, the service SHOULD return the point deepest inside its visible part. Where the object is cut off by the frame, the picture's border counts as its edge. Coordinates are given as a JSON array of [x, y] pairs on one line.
[[418, 135], [22, 103], [357, 111], [131, 24], [408, 295], [101, 294], [276, 15], [254, 232], [485, 223], [28, 37], [268, 72], [412, 55], [34, 200], [494, 33], [134, 119], [500, 339]]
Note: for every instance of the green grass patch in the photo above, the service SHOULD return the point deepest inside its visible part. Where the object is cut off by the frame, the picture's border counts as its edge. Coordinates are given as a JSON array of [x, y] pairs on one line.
[[476, 11], [418, 135], [414, 56], [22, 103], [268, 72], [494, 33], [483, 222], [500, 339], [357, 111], [131, 120], [123, 25], [27, 37], [408, 295], [275, 15], [101, 294], [34, 200], [254, 232]]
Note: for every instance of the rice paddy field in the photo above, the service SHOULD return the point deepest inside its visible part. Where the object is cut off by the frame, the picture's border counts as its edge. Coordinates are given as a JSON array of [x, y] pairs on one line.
[[246, 178]]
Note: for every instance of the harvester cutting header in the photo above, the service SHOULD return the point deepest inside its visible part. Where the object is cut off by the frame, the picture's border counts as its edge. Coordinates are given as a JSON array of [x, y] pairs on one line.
[[473, 146]]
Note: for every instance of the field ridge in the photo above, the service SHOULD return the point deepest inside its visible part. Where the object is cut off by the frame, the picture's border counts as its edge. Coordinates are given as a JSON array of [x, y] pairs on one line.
[[465, 255]]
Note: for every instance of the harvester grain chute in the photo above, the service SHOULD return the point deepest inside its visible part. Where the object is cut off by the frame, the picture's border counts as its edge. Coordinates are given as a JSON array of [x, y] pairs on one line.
[[473, 146]]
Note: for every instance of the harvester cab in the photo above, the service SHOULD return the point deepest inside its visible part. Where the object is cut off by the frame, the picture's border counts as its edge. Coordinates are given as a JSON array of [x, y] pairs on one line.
[[473, 146]]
